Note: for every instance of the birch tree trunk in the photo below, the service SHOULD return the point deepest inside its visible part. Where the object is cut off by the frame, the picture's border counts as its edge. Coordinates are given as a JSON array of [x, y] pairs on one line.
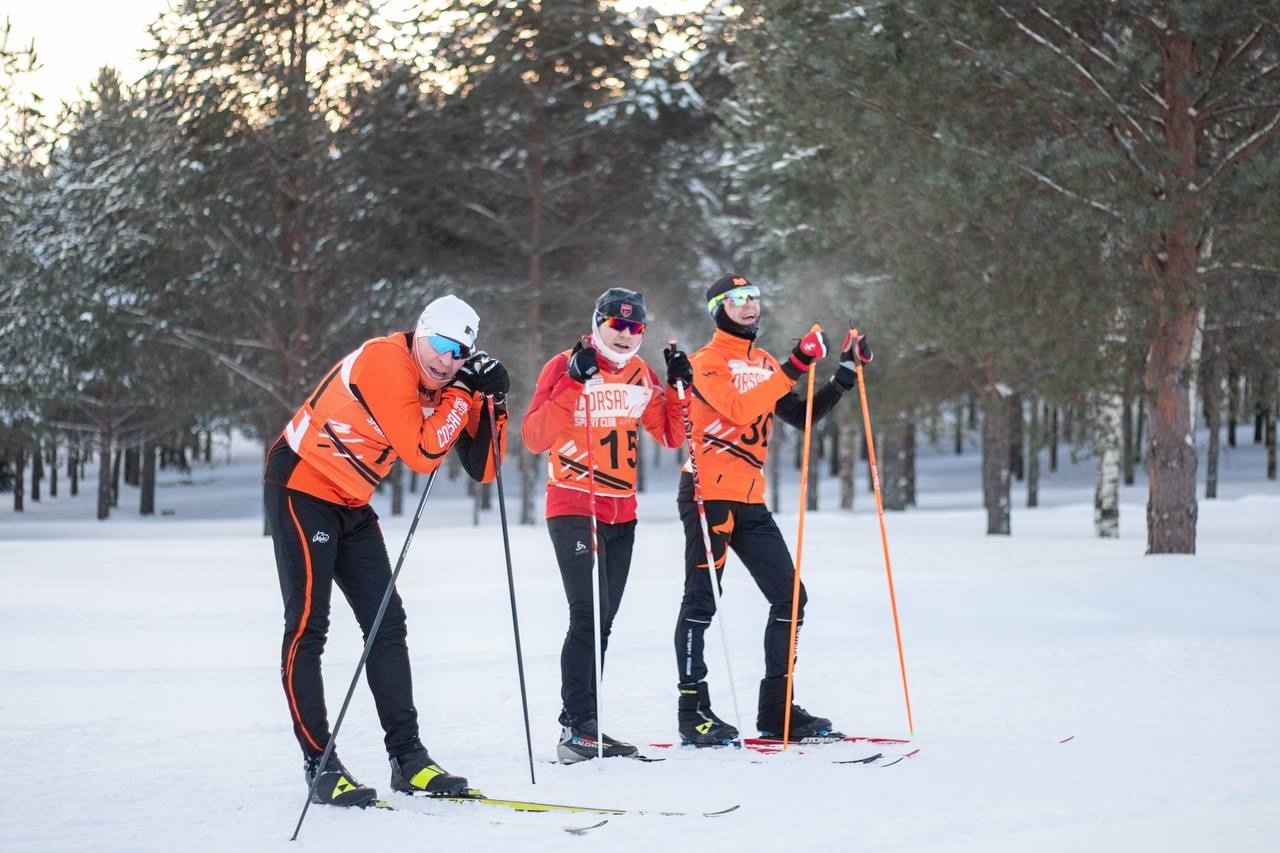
[[1106, 495]]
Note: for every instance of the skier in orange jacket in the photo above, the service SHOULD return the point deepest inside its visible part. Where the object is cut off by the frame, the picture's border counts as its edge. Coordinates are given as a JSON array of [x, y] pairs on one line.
[[413, 396], [738, 388], [625, 394]]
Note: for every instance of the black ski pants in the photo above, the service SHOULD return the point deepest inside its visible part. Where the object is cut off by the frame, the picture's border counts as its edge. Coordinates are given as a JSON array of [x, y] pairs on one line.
[[748, 529], [318, 544], [571, 538]]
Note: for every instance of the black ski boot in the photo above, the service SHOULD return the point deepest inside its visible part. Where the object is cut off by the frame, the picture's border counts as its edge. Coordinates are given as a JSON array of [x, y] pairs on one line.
[[581, 742], [772, 713], [698, 725], [415, 773], [334, 785]]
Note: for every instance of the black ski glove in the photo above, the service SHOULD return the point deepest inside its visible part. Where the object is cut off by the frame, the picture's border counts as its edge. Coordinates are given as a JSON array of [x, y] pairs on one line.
[[678, 367], [484, 373], [582, 363]]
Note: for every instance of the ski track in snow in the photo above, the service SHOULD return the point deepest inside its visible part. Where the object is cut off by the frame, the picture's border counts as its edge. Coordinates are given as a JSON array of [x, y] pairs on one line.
[[141, 710]]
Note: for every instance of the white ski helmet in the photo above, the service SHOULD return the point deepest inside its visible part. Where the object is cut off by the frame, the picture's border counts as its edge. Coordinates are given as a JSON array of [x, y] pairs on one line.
[[453, 320]]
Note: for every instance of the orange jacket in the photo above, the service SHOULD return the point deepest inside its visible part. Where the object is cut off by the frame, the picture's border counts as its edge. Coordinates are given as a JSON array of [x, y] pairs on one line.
[[736, 387], [621, 399], [370, 410]]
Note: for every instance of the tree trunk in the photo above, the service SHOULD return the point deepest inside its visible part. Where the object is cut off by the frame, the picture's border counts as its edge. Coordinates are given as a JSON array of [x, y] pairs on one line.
[[73, 467], [872, 473], [811, 485], [529, 463], [1233, 405], [1212, 415], [959, 436], [397, 489], [640, 466], [833, 441], [1016, 437], [909, 460], [1126, 440], [104, 476], [53, 467], [1171, 453], [132, 458], [115, 478], [1033, 455], [147, 497], [891, 459], [780, 432], [1106, 495], [995, 462], [19, 476], [1053, 441], [208, 447], [1271, 403], [848, 461], [486, 496], [37, 472], [1139, 434], [1170, 262]]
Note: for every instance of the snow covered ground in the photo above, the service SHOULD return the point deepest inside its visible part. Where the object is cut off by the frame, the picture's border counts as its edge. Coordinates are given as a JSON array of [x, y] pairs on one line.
[[140, 706]]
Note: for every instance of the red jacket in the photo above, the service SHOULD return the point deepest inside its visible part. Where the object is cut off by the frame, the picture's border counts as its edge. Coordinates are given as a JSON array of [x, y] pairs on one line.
[[621, 399]]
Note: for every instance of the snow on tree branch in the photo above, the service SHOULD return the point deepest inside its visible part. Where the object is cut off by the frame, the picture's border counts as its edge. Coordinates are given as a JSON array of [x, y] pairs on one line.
[[1240, 151]]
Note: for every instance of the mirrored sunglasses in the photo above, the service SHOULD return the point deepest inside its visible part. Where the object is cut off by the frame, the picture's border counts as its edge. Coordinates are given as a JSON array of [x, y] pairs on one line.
[[634, 327], [737, 297], [442, 345]]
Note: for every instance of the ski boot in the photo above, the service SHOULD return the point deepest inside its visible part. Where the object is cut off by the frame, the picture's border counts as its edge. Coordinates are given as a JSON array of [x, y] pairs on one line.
[[698, 725], [772, 714], [334, 785], [581, 742], [416, 773]]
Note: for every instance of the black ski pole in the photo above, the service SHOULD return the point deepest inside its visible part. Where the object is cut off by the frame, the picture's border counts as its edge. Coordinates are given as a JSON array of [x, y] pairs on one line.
[[368, 645], [511, 582]]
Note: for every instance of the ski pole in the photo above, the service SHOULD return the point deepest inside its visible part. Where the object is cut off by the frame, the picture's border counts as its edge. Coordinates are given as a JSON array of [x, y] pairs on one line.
[[596, 569], [511, 581], [884, 538], [795, 589], [706, 542], [364, 656]]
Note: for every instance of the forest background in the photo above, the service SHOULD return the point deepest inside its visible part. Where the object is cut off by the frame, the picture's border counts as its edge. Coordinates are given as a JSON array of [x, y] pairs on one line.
[[1056, 221]]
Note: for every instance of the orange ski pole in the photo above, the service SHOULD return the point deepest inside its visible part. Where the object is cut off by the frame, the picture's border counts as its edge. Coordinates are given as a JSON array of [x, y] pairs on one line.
[[884, 538], [795, 589]]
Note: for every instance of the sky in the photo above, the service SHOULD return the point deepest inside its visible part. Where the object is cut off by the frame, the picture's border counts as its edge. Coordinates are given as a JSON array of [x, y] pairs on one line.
[[75, 38]]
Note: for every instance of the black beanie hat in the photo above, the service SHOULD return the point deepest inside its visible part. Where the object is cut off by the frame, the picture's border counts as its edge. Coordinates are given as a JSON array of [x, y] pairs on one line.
[[724, 284], [620, 302]]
